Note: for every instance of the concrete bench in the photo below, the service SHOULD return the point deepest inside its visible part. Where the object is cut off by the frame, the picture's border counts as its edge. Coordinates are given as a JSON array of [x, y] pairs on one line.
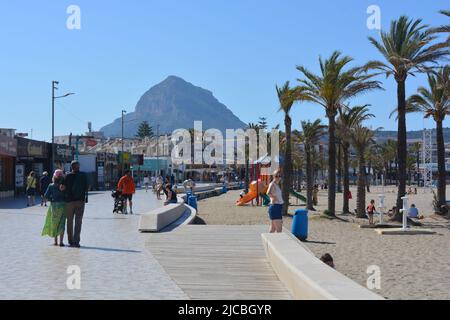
[[305, 276], [161, 218]]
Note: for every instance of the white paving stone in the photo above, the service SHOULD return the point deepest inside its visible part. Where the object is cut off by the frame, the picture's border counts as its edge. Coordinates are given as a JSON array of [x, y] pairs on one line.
[[113, 260]]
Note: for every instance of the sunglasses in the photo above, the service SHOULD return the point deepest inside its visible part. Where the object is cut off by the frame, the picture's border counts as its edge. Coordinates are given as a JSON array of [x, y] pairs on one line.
[[277, 176]]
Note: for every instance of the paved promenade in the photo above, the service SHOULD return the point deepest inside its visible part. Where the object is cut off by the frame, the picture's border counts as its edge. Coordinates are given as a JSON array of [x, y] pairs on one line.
[[113, 261]]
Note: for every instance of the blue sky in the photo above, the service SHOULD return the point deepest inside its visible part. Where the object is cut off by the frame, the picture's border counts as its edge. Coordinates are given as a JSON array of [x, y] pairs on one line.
[[238, 50]]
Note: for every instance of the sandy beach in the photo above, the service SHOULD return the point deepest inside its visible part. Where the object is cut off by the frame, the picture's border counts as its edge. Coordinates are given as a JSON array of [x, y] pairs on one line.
[[412, 266]]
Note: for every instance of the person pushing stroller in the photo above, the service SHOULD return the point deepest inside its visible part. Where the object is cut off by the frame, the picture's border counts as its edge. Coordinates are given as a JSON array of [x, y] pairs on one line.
[[127, 188]]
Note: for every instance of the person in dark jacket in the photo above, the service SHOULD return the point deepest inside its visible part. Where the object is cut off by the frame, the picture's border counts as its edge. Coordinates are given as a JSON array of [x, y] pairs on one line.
[[44, 182], [75, 188]]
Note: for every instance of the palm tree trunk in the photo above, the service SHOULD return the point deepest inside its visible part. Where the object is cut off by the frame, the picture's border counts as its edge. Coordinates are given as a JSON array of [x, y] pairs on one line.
[[368, 176], [442, 173], [287, 169], [309, 180], [331, 164], [417, 167], [339, 168], [361, 196], [401, 145], [345, 207]]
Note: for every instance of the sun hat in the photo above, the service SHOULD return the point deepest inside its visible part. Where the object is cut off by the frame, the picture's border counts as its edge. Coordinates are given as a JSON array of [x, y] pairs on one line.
[[58, 173]]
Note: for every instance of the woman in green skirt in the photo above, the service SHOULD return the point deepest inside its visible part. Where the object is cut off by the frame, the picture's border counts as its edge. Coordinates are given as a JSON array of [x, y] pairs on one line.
[[55, 222]]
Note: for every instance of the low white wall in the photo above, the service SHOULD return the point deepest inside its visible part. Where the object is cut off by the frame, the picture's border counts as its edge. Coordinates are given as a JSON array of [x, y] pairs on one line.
[[160, 218], [305, 276]]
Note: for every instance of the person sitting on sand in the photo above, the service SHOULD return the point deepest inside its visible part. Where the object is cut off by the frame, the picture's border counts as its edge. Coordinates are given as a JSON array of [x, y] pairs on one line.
[[371, 210], [413, 212], [392, 211], [327, 259]]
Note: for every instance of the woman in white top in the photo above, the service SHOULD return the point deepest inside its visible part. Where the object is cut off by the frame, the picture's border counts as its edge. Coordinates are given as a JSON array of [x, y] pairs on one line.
[[276, 203]]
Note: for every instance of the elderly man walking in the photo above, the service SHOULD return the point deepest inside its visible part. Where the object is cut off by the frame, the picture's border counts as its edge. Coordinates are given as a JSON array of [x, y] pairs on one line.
[[76, 188]]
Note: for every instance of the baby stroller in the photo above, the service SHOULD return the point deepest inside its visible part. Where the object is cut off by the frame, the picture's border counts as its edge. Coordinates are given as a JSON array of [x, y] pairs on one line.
[[118, 202]]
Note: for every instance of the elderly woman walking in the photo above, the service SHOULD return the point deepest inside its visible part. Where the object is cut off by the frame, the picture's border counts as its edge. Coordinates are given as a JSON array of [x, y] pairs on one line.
[[55, 222], [276, 203]]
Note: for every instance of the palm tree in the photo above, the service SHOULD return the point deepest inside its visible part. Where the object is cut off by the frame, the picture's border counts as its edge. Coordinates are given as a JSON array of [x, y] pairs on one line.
[[407, 48], [415, 149], [255, 127], [349, 117], [442, 29], [377, 160], [410, 166], [362, 138], [298, 157], [331, 89], [435, 102], [312, 132], [286, 97], [389, 154]]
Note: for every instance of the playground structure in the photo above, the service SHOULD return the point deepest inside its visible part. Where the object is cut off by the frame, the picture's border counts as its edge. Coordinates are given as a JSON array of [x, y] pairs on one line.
[[260, 183]]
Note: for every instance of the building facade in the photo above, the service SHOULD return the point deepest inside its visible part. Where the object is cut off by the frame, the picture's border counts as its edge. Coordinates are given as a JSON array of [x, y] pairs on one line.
[[8, 153]]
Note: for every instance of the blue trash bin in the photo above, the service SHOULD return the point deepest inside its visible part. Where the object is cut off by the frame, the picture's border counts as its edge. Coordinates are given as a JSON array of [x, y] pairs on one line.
[[224, 189], [192, 201], [300, 224]]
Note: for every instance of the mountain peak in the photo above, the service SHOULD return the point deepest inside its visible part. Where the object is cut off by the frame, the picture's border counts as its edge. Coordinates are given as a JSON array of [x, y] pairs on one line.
[[175, 103], [174, 78]]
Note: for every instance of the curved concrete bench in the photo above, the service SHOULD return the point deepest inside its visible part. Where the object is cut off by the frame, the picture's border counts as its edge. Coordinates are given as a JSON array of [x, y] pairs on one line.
[[305, 276], [211, 187], [170, 215]]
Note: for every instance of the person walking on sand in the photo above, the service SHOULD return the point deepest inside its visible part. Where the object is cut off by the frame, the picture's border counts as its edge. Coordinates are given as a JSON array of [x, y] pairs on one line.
[[75, 187], [31, 188], [44, 182], [371, 210], [55, 221], [276, 203], [127, 187]]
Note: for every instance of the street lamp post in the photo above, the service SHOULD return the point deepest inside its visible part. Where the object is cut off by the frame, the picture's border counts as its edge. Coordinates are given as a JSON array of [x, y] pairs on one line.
[[54, 87], [123, 113], [157, 149]]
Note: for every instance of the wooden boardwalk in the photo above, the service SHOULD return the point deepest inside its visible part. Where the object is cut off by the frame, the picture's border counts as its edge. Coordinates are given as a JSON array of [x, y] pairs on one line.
[[218, 262]]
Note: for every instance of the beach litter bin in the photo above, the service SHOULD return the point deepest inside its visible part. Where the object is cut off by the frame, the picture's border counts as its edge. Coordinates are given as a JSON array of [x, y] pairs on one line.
[[192, 201], [224, 189], [300, 224]]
